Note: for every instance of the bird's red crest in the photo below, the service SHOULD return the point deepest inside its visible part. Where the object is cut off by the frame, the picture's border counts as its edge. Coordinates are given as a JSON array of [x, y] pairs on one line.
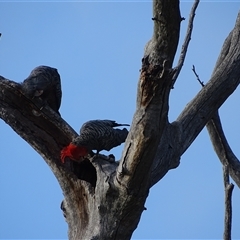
[[74, 152]]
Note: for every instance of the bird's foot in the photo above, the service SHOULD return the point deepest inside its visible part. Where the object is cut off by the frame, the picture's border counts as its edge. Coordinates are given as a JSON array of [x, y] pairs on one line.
[[93, 158], [110, 158]]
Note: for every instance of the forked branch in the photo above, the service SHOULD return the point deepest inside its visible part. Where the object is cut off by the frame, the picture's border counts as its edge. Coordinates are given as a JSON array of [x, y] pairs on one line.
[[228, 160], [179, 135], [220, 143]]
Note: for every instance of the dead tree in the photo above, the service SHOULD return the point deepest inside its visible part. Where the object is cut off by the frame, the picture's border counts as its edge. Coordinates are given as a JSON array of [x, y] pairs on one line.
[[105, 200]]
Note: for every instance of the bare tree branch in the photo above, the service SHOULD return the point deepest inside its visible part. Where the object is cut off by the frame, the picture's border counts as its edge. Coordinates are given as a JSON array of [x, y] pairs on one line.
[[47, 133], [167, 19], [199, 80], [152, 101], [197, 113], [104, 200], [186, 42], [111, 205], [178, 136], [168, 152], [220, 144], [228, 204], [151, 114], [217, 136], [222, 148], [214, 126], [224, 51]]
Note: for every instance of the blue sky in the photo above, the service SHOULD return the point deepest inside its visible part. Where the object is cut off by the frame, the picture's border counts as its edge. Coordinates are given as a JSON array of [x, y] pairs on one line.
[[97, 49]]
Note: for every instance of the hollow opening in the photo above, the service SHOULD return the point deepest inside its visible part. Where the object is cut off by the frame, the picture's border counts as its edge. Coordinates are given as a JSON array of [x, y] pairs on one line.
[[84, 170]]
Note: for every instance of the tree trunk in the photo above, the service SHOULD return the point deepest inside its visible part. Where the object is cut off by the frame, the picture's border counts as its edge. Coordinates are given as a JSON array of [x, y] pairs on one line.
[[105, 200]]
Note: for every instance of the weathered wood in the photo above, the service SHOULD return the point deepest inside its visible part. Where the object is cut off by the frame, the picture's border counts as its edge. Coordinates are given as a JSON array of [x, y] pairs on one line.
[[105, 200], [222, 84], [179, 135], [222, 148]]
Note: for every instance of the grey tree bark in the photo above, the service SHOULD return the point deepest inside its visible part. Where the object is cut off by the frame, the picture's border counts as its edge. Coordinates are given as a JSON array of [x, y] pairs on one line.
[[105, 200]]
